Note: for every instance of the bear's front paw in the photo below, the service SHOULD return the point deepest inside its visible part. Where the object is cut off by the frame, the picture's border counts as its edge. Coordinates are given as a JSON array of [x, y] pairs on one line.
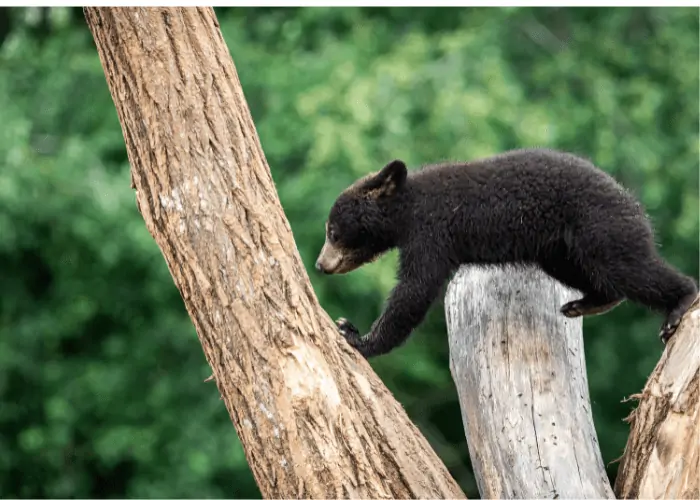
[[348, 330]]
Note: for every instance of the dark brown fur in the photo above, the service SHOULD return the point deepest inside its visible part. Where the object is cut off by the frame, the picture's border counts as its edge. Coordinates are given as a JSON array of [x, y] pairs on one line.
[[538, 206]]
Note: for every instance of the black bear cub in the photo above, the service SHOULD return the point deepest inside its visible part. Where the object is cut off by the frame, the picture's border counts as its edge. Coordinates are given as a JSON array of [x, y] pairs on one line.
[[535, 206]]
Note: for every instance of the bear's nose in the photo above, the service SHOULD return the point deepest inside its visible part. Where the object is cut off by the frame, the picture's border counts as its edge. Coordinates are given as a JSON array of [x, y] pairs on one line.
[[319, 267]]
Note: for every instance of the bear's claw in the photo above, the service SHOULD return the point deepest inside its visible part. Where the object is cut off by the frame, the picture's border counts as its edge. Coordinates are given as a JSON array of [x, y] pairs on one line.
[[673, 319], [571, 309], [347, 329], [669, 328]]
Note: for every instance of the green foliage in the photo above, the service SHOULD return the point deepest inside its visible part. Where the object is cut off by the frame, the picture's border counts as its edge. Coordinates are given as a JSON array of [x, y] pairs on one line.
[[100, 368]]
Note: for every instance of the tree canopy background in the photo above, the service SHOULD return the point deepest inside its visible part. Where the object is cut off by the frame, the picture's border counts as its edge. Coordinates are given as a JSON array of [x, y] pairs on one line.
[[100, 368]]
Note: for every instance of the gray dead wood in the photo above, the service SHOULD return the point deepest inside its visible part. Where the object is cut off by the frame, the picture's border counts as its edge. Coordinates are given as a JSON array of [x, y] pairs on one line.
[[520, 372]]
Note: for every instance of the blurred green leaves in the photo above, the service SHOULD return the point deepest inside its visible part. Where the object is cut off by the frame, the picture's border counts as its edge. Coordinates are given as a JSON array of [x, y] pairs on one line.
[[100, 368]]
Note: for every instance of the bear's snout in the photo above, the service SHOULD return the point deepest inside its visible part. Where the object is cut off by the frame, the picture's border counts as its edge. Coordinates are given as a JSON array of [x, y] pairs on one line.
[[330, 260], [319, 267]]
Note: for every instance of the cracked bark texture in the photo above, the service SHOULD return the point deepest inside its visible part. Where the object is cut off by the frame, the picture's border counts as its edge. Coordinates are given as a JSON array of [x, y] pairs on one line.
[[520, 373], [662, 455], [314, 419]]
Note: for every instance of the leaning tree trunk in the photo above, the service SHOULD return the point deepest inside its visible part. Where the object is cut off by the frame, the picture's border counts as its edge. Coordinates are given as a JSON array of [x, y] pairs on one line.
[[520, 373], [314, 419], [662, 456]]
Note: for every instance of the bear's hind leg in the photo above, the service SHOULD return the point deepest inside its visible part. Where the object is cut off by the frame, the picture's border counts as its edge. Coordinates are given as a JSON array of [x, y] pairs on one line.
[[650, 281], [590, 304], [566, 271]]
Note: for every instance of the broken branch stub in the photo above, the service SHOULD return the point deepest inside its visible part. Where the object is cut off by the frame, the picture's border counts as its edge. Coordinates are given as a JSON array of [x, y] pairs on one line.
[[520, 373]]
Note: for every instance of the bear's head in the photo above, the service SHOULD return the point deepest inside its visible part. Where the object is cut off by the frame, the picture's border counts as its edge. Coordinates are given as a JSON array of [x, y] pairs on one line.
[[363, 220]]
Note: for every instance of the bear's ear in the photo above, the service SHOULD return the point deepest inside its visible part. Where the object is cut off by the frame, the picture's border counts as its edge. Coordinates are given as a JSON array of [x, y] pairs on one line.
[[389, 179]]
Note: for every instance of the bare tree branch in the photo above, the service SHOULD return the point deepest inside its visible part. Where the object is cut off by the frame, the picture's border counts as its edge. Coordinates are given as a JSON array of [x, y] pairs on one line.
[[662, 456]]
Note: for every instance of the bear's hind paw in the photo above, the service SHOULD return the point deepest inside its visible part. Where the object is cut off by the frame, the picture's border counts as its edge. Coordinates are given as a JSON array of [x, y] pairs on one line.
[[669, 328]]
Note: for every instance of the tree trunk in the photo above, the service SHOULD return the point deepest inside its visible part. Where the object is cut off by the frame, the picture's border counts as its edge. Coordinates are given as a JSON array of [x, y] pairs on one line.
[[662, 456], [520, 373], [314, 419]]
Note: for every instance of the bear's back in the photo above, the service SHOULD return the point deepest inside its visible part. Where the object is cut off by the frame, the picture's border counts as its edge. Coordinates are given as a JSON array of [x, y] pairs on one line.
[[527, 178], [518, 199]]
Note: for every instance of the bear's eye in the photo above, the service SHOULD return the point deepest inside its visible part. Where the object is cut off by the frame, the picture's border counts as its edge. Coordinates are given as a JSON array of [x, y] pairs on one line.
[[332, 237]]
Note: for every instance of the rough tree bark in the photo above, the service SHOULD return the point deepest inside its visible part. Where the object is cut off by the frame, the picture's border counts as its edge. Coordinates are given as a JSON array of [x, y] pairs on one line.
[[314, 419], [520, 373], [662, 456]]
